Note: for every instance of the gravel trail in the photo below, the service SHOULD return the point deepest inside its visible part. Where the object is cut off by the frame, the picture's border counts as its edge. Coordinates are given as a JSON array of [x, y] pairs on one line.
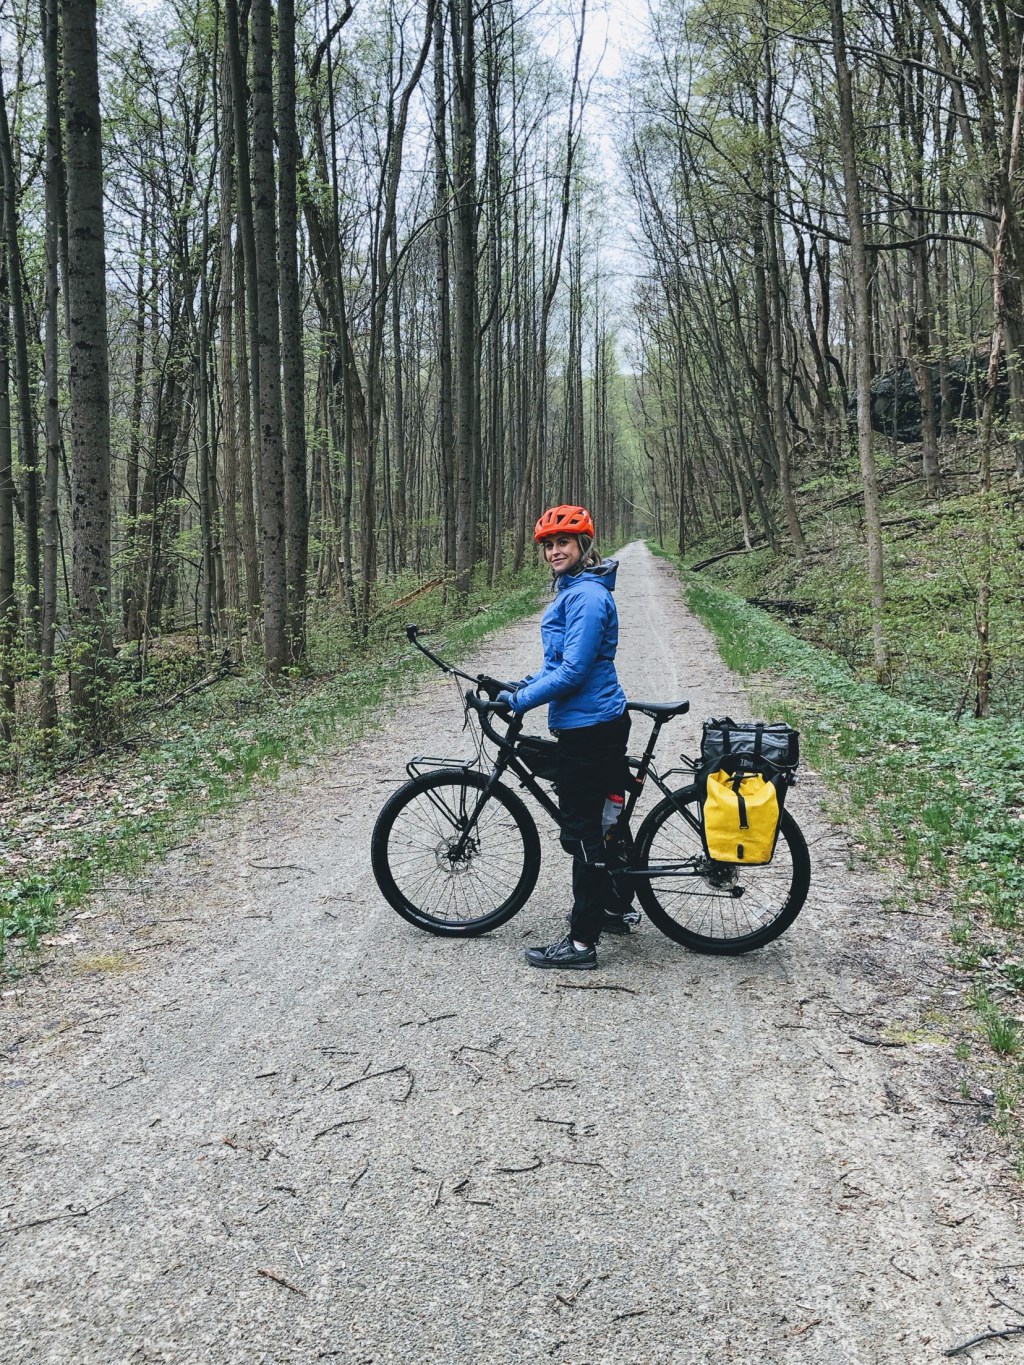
[[256, 1117]]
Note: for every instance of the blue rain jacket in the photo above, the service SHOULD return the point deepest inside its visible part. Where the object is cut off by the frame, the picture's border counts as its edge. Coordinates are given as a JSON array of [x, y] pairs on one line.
[[579, 632]]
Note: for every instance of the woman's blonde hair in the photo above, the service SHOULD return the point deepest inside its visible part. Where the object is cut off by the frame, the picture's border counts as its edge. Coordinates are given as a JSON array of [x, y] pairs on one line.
[[590, 557]]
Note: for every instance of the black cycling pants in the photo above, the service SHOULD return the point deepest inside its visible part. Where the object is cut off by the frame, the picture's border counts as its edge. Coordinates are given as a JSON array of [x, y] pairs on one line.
[[591, 764]]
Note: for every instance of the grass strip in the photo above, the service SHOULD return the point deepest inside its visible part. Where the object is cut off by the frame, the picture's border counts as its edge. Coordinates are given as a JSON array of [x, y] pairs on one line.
[[945, 799], [119, 813]]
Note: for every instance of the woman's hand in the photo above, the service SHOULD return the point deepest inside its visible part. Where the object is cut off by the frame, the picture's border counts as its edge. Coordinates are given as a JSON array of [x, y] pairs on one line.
[[492, 686]]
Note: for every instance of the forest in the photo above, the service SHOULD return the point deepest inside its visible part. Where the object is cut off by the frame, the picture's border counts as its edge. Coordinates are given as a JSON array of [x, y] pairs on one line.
[[306, 310]]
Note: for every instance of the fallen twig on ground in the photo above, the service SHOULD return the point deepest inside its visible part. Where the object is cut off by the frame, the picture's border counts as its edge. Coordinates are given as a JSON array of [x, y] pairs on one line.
[[388, 1071], [553, 1083], [56, 1217], [601, 986], [892, 1262], [280, 867], [874, 1042], [569, 1300], [335, 1127], [568, 1124], [814, 1322], [577, 1161], [1014, 1330], [354, 1182], [279, 1279]]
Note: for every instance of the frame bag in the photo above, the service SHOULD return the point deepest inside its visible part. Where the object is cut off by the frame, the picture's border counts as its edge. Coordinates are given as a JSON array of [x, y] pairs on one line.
[[746, 771], [539, 755]]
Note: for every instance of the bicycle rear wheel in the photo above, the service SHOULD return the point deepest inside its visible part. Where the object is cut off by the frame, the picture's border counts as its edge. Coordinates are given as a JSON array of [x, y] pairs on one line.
[[446, 872], [710, 907]]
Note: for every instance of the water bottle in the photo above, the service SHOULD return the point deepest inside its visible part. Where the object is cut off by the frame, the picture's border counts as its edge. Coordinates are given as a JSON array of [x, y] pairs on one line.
[[613, 804]]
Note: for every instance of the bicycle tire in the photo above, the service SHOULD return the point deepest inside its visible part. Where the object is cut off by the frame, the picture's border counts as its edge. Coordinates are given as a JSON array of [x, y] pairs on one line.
[[411, 845], [725, 909]]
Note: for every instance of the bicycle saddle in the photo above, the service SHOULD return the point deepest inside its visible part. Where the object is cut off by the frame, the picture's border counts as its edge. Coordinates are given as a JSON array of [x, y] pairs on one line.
[[659, 711]]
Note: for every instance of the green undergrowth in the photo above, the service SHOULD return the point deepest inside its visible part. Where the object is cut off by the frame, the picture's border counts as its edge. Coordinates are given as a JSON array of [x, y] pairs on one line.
[[935, 558], [940, 802], [943, 799], [64, 834]]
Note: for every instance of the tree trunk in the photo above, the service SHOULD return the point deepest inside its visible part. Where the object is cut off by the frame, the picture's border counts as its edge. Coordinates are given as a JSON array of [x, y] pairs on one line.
[[88, 373], [862, 338], [54, 212], [247, 306], [225, 356], [206, 472], [271, 454], [8, 599], [27, 446], [446, 429], [246, 474], [401, 503], [1006, 301], [780, 428], [130, 568], [293, 380], [467, 404]]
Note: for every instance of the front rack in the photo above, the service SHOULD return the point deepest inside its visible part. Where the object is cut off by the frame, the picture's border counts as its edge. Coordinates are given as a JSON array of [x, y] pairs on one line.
[[415, 765]]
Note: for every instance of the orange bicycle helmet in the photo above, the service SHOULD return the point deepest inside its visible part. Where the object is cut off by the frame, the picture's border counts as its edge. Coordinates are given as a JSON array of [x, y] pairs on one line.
[[567, 521]]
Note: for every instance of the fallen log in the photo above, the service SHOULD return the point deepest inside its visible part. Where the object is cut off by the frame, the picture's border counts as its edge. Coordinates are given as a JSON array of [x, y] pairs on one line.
[[703, 564], [227, 668], [788, 605], [409, 597]]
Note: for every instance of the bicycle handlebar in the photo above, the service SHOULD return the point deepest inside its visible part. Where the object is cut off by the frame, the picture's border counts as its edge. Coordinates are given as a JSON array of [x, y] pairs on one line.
[[480, 705], [484, 709], [412, 634]]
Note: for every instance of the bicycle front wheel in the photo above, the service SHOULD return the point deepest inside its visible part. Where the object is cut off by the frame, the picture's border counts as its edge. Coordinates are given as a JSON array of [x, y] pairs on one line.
[[447, 867], [711, 907]]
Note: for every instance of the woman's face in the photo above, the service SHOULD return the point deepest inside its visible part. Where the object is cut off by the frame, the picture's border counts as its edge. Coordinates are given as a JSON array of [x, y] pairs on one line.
[[563, 553]]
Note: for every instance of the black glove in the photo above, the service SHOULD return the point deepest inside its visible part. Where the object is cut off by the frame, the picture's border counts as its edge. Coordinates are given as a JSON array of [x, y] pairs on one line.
[[492, 686]]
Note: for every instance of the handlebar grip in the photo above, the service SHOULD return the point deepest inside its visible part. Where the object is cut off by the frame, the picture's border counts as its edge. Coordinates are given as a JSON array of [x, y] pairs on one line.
[[486, 709], [485, 704]]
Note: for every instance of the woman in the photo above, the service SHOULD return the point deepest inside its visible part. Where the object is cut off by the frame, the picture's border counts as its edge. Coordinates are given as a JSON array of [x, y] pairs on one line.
[[579, 632]]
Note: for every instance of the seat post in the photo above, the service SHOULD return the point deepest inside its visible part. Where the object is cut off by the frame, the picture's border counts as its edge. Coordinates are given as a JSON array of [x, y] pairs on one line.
[[652, 742]]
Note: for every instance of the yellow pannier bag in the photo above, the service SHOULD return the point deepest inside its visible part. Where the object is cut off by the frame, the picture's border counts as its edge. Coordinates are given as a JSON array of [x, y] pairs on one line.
[[741, 817]]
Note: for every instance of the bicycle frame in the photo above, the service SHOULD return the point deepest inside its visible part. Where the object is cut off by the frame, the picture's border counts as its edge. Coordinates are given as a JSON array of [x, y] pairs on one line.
[[507, 760]]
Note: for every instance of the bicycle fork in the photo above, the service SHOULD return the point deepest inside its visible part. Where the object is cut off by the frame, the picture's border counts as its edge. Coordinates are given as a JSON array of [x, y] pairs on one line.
[[466, 824]]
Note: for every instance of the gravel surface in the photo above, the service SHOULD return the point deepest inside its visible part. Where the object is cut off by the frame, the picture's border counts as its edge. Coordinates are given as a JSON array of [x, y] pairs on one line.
[[256, 1117]]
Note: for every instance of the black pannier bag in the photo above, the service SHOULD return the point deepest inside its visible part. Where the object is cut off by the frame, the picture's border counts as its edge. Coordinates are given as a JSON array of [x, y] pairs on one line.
[[750, 743], [538, 755]]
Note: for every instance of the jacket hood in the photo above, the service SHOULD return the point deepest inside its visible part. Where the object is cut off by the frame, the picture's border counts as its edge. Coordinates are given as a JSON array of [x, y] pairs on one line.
[[604, 573]]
